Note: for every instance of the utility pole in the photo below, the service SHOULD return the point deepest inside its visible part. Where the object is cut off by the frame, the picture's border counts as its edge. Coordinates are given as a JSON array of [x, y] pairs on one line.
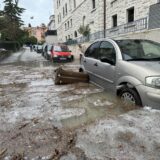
[[104, 18]]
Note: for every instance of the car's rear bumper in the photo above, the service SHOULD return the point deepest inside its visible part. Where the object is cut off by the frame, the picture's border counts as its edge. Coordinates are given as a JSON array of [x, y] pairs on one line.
[[63, 59], [149, 96]]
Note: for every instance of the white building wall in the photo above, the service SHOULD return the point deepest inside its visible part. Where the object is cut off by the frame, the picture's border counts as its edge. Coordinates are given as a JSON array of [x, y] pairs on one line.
[[119, 7], [51, 39], [95, 17]]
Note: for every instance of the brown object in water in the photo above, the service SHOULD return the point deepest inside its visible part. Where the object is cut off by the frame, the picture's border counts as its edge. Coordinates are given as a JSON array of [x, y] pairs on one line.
[[69, 77]]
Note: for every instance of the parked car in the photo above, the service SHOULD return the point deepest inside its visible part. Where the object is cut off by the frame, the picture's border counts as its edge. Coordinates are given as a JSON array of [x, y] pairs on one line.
[[39, 49], [128, 68], [35, 47], [3, 50], [61, 52], [47, 51], [43, 48]]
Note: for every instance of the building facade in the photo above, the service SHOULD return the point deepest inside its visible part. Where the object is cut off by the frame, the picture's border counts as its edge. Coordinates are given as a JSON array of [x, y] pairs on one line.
[[37, 32], [52, 24], [111, 16], [51, 33]]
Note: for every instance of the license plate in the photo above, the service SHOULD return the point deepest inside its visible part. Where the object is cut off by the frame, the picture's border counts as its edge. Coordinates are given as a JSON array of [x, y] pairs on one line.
[[62, 58]]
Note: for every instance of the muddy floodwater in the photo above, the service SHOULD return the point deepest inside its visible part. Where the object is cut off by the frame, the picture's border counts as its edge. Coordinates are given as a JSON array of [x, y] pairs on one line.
[[43, 121]]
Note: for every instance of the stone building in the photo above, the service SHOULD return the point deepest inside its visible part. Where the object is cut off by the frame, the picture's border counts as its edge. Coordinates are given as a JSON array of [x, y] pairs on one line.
[[115, 17], [51, 33], [37, 32], [52, 24]]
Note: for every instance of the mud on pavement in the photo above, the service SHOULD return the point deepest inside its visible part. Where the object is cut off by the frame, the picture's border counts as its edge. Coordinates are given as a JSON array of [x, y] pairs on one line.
[[28, 101], [41, 121]]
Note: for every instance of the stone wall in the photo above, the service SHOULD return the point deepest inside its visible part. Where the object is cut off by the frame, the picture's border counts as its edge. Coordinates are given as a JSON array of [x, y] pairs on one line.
[[83, 13], [119, 7], [95, 17]]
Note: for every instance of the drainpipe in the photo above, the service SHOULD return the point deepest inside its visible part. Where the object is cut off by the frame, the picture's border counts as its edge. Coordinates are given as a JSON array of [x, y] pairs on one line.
[[104, 18]]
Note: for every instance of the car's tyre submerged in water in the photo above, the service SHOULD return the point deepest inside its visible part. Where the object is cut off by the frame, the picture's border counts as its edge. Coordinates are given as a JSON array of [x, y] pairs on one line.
[[130, 96]]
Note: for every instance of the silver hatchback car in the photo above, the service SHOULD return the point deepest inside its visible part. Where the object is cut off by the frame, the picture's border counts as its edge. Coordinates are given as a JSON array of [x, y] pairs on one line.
[[129, 68]]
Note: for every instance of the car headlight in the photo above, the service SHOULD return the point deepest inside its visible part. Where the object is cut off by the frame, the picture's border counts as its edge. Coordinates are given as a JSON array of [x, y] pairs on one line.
[[153, 82], [55, 55], [69, 56]]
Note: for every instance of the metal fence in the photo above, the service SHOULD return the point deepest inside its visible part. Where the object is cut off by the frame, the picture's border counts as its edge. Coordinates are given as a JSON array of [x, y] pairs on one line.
[[135, 26]]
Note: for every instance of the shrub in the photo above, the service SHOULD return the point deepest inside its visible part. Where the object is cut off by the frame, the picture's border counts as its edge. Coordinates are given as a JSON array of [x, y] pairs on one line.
[[10, 45]]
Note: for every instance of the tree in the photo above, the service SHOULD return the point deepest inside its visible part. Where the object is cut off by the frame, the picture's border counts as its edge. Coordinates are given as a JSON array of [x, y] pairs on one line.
[[13, 12], [31, 40], [84, 30], [11, 20]]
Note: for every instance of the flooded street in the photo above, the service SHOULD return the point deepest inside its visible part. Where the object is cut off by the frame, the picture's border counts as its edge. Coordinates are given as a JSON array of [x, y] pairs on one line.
[[42, 121]]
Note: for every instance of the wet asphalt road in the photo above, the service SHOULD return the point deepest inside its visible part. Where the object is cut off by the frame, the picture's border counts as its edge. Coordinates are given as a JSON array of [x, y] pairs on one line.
[[39, 120]]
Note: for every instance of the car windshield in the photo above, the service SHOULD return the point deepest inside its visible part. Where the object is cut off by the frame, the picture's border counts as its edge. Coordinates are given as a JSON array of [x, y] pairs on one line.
[[137, 50], [61, 49], [39, 47]]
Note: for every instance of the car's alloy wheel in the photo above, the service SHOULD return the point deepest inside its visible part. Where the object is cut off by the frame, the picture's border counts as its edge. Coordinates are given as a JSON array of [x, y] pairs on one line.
[[130, 96]]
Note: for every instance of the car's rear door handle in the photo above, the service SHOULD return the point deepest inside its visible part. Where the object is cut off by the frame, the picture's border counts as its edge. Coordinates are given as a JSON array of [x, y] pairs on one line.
[[95, 64]]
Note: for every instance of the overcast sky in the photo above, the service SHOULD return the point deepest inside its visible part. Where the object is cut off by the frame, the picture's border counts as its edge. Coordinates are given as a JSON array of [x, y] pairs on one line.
[[40, 10]]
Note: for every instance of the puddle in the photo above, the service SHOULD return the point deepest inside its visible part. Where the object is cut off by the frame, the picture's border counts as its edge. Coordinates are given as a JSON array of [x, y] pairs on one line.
[[96, 106]]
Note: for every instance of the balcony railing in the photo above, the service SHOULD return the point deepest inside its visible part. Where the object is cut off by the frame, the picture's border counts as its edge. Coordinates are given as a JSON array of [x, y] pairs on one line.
[[138, 25]]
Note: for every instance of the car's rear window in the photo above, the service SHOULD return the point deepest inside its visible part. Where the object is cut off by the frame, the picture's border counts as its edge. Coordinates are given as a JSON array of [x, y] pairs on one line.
[[61, 48], [39, 47], [49, 47]]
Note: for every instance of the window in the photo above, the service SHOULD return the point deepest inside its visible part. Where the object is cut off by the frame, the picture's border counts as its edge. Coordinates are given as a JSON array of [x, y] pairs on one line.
[[114, 20], [139, 49], [93, 4], [70, 5], [107, 52], [75, 34], [84, 18], [68, 24], [130, 13], [66, 8], [63, 12], [93, 51], [74, 1], [57, 3], [60, 18], [65, 26], [71, 22]]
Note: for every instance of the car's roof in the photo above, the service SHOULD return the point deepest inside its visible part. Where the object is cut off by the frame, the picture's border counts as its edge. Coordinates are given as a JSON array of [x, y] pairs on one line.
[[119, 39]]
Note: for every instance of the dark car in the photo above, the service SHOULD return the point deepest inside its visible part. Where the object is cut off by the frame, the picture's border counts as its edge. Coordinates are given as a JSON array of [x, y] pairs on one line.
[[47, 51], [61, 52], [43, 48]]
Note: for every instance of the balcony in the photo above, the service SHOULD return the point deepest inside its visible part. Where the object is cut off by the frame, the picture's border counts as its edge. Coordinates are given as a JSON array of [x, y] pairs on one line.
[[136, 26]]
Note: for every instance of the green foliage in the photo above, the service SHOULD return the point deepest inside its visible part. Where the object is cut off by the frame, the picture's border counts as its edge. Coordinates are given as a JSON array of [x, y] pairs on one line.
[[10, 45], [84, 30], [10, 19], [30, 40], [12, 12]]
